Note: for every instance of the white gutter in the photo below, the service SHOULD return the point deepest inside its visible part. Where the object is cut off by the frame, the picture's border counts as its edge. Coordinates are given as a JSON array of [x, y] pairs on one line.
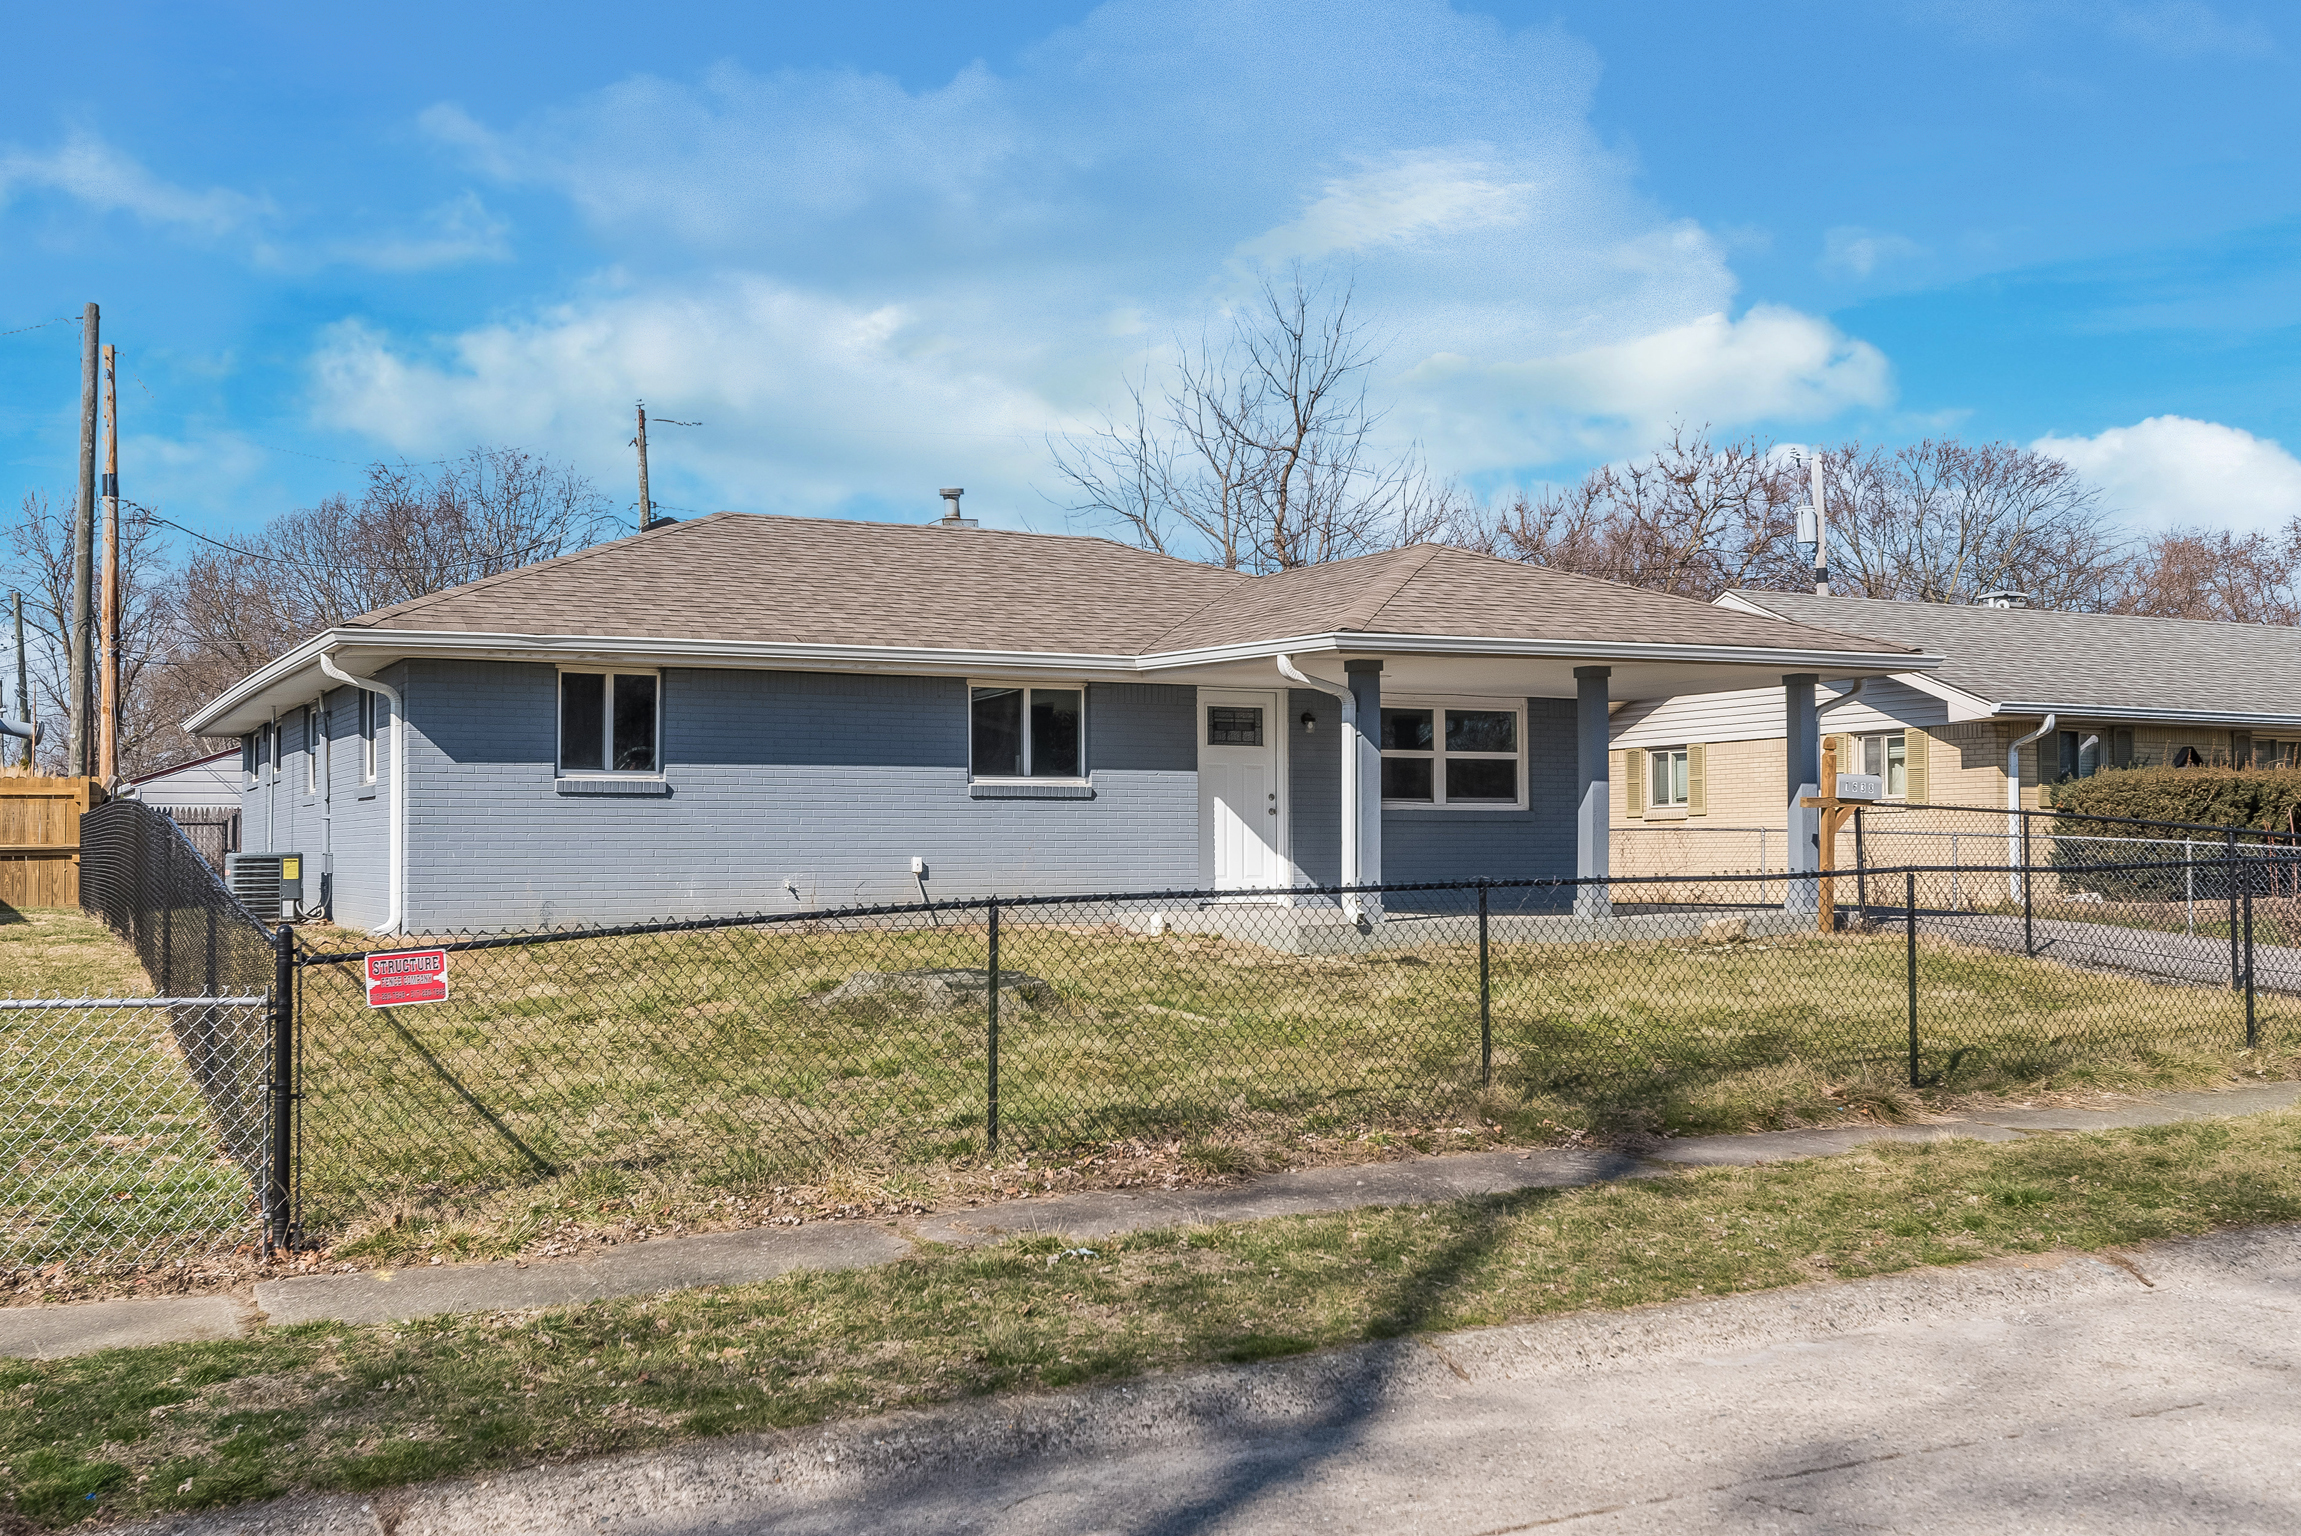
[[1847, 697], [396, 922], [1351, 811], [2013, 799]]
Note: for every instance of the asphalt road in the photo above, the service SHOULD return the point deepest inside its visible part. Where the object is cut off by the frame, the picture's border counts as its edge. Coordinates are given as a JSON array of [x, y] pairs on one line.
[[2156, 1391]]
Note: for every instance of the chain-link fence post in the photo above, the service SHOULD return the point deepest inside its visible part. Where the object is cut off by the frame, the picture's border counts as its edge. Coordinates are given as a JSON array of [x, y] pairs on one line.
[[1485, 998], [280, 1099], [2028, 893], [1909, 921], [2252, 1024], [2230, 839], [991, 1116]]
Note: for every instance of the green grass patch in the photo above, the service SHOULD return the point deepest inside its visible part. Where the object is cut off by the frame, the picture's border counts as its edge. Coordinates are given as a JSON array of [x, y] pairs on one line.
[[333, 1407], [652, 1080]]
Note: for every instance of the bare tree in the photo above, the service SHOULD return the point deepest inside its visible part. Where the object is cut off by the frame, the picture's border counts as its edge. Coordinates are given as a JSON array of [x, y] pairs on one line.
[[2213, 573], [1695, 518], [39, 551], [409, 534], [1943, 521], [1259, 454]]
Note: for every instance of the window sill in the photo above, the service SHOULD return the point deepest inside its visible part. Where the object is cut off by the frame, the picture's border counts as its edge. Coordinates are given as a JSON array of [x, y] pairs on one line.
[[1031, 789], [610, 784], [1452, 805], [1667, 813]]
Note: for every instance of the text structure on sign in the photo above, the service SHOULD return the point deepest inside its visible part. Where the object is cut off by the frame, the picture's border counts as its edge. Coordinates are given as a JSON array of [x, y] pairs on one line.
[[407, 976]]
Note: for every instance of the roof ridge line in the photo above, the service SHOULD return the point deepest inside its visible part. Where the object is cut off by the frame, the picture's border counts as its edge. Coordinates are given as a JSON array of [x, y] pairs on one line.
[[1377, 595]]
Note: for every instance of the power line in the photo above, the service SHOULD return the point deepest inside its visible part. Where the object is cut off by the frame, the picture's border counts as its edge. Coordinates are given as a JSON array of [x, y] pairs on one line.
[[42, 325]]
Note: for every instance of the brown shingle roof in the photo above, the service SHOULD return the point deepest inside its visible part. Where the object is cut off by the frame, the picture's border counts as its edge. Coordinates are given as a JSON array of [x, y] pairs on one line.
[[742, 577]]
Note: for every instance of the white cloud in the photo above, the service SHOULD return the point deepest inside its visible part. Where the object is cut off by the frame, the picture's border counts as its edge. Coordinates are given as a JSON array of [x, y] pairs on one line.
[[94, 173], [1852, 251], [461, 230], [2174, 470], [864, 288]]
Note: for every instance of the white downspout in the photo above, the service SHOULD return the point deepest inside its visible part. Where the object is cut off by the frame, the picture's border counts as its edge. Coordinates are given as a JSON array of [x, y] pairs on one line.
[[2013, 801], [396, 922], [1350, 808]]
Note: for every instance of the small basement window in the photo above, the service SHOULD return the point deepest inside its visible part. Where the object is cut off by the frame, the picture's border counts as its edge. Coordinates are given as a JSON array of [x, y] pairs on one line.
[[1433, 755], [1017, 732], [607, 722]]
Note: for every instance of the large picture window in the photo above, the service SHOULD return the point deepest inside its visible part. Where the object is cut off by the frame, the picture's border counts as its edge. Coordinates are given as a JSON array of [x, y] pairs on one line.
[[1015, 732], [1441, 755], [607, 722]]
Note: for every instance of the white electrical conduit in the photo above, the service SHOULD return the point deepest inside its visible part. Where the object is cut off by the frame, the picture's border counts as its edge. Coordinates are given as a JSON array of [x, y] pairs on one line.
[[397, 920], [1350, 808], [2013, 800]]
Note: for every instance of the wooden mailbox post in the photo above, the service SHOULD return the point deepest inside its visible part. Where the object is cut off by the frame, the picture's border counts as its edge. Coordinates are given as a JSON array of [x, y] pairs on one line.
[[1835, 808]]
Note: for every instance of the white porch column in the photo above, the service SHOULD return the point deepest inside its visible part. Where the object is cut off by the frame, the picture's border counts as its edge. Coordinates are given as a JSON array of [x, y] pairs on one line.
[[1592, 805], [1802, 724], [1365, 679]]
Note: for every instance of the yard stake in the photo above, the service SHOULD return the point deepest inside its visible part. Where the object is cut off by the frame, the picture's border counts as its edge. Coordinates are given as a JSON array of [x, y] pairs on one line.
[[2252, 1025], [992, 1118], [1909, 915], [280, 1144], [1485, 999]]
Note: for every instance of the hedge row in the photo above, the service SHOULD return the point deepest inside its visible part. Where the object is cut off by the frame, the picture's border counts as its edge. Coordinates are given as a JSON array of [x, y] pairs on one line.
[[2267, 798]]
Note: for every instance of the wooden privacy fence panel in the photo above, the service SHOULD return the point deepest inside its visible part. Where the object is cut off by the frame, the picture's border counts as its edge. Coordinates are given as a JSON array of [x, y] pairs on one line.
[[40, 839]]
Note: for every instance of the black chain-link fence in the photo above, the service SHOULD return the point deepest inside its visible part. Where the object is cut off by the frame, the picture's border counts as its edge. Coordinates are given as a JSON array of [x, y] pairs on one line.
[[136, 1129], [738, 1053]]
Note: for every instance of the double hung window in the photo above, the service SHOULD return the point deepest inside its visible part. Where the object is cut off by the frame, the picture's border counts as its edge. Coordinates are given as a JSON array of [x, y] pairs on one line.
[[1670, 777], [607, 722], [313, 717], [1017, 732], [1436, 755], [1884, 756]]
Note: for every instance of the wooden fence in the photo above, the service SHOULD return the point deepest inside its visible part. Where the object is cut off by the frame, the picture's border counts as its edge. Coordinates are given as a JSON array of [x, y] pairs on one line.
[[40, 839]]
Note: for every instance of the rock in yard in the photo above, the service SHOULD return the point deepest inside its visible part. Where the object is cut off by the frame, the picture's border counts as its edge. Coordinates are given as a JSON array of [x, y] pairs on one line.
[[1725, 930], [937, 990]]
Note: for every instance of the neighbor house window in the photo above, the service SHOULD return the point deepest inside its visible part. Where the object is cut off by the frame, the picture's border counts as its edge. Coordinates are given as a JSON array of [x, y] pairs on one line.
[[367, 736], [312, 749], [1016, 732], [248, 757], [607, 722], [1440, 756], [1885, 756], [1669, 776], [2080, 754]]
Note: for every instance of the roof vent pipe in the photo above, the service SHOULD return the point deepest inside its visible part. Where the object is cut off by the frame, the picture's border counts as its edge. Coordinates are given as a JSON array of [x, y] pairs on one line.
[[951, 518], [2004, 597]]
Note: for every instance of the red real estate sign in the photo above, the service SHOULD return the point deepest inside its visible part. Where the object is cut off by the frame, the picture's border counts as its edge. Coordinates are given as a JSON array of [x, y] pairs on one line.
[[407, 976]]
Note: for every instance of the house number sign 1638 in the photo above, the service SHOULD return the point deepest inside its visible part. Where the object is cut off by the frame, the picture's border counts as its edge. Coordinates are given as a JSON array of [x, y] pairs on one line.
[[407, 976]]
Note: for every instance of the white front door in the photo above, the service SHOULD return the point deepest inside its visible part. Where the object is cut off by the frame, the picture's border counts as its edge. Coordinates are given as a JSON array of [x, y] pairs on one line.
[[1242, 790]]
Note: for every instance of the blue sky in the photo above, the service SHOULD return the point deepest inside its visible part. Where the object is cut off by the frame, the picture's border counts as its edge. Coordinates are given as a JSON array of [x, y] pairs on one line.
[[882, 248]]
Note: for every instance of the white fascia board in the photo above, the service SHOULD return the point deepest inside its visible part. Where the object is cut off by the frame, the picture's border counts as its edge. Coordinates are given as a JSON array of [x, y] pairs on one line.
[[1963, 706], [663, 651], [2088, 712]]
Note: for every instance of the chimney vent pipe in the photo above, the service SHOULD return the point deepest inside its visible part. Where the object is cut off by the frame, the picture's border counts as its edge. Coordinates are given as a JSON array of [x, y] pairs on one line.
[[951, 517]]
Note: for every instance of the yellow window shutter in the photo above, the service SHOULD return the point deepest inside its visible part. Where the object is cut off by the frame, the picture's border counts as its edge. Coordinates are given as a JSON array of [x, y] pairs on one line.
[[1634, 781], [1849, 761], [1913, 765], [1697, 780]]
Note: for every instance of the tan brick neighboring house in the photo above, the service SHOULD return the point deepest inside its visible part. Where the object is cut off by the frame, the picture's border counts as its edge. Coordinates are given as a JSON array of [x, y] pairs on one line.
[[2116, 690]]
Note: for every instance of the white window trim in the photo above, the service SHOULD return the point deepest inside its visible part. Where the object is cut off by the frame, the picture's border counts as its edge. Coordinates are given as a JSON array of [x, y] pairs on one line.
[[606, 725], [312, 719], [1885, 776], [1086, 762], [370, 723], [1516, 708], [1668, 808]]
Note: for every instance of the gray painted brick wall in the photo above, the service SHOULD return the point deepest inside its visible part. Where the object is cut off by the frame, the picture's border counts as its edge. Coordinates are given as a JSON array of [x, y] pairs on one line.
[[788, 790]]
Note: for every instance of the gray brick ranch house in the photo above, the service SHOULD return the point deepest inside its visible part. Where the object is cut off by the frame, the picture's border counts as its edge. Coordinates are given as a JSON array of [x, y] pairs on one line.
[[750, 713]]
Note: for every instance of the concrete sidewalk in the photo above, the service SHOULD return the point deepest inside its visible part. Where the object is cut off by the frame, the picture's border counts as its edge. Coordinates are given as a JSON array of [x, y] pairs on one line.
[[2051, 1393], [736, 1258]]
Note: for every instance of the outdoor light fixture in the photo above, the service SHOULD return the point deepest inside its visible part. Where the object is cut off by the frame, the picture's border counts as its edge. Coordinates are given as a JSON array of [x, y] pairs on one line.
[[1309, 722]]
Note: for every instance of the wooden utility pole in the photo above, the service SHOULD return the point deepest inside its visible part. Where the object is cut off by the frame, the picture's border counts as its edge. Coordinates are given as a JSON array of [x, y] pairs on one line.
[[81, 761], [108, 732], [646, 509], [24, 699], [1821, 533]]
